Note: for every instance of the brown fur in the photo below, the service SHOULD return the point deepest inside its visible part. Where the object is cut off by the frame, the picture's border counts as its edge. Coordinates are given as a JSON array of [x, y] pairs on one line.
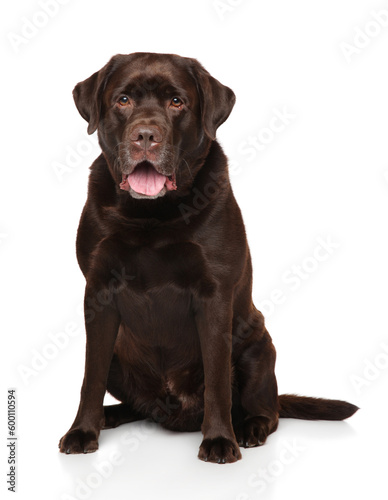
[[171, 329]]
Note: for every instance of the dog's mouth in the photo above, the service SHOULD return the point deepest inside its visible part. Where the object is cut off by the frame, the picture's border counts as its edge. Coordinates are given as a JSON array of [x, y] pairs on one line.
[[146, 181]]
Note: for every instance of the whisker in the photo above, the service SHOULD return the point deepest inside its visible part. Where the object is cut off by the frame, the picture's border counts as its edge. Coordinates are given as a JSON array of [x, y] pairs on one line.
[[188, 168]]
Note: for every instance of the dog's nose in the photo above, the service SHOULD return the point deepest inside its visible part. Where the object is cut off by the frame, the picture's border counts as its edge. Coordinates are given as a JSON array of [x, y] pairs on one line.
[[146, 136]]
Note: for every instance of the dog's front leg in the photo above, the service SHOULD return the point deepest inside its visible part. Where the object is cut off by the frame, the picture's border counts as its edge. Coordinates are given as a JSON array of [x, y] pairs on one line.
[[214, 323], [102, 321]]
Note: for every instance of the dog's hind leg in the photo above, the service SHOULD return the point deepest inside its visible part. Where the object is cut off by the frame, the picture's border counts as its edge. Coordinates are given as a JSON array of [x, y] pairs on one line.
[[256, 412], [119, 414], [124, 412]]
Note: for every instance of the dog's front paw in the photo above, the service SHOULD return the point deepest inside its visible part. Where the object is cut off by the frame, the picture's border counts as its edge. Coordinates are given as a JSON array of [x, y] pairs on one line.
[[219, 450], [78, 441]]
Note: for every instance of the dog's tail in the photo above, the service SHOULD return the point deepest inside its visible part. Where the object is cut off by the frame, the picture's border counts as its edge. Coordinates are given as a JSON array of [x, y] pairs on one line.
[[305, 408]]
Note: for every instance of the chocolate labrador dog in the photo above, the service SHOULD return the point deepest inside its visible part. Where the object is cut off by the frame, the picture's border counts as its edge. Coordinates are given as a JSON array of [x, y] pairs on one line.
[[171, 329]]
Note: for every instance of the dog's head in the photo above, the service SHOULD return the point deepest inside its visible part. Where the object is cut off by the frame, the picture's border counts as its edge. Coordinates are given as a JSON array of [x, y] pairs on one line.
[[156, 116]]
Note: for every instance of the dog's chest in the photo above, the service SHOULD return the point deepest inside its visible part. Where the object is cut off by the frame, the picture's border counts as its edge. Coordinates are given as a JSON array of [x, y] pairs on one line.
[[150, 268], [155, 290]]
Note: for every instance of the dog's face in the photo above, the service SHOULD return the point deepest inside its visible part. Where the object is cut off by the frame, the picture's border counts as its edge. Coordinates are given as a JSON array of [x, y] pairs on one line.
[[156, 115]]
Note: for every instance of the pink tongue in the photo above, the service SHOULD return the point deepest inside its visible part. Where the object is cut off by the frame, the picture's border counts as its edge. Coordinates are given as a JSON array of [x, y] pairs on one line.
[[147, 181]]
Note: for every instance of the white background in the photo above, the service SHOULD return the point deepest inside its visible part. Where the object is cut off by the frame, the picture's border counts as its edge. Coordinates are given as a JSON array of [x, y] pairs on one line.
[[324, 175]]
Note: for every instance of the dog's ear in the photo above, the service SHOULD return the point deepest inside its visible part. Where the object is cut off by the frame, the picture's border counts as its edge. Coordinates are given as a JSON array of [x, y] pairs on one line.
[[88, 94], [216, 100]]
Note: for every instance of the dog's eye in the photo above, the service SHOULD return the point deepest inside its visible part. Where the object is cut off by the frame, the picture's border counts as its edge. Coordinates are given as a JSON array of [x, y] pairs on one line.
[[123, 101], [176, 102]]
